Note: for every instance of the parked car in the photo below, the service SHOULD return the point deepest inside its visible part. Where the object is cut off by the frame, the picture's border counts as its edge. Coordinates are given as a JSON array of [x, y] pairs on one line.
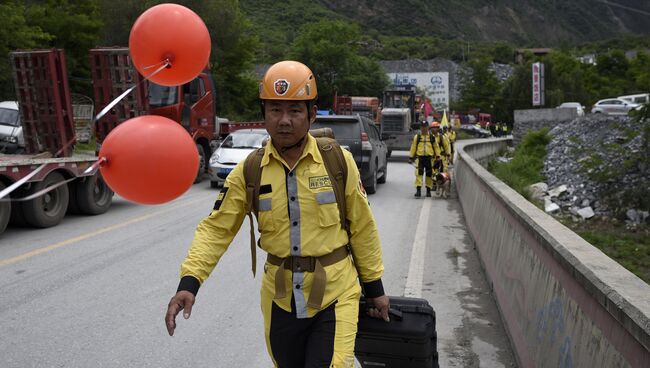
[[11, 131], [472, 130], [360, 136], [614, 106], [234, 148], [641, 98], [573, 105]]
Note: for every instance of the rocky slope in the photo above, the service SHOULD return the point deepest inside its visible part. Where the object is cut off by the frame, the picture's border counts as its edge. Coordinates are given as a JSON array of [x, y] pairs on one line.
[[600, 164], [524, 22]]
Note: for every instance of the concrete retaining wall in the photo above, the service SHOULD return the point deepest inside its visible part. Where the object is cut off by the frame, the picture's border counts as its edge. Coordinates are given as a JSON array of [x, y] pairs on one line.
[[536, 119], [564, 302]]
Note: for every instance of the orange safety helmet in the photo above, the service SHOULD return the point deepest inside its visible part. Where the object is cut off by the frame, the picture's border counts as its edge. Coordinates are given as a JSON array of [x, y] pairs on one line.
[[288, 80], [435, 124]]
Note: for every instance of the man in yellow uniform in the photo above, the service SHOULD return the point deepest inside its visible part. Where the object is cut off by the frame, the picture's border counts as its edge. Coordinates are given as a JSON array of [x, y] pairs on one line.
[[305, 325], [452, 139], [443, 143], [423, 152]]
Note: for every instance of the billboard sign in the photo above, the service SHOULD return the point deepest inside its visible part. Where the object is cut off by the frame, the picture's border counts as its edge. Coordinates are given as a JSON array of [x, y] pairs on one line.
[[434, 85]]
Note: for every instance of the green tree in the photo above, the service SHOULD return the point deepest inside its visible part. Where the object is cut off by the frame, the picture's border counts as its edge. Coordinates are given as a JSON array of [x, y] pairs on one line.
[[231, 57], [564, 79], [480, 87], [73, 26], [330, 49], [15, 33], [639, 72]]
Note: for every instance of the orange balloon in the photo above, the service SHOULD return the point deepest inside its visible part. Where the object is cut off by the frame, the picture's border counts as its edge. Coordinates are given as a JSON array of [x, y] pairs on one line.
[[174, 32], [149, 160]]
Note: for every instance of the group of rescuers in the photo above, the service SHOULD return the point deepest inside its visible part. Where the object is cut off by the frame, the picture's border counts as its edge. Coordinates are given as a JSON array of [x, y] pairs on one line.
[[319, 257], [432, 150]]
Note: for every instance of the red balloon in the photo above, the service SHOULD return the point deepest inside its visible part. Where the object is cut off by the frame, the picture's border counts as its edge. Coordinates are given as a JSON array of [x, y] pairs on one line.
[[149, 160], [174, 32]]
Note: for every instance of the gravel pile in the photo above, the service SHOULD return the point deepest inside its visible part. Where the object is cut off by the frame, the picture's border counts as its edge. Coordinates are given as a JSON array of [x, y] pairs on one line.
[[599, 166]]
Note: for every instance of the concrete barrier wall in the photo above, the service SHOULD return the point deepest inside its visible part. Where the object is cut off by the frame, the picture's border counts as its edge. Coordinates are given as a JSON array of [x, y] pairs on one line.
[[536, 119], [564, 302]]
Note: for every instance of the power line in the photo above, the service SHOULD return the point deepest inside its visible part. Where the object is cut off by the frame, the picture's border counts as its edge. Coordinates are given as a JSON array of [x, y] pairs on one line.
[[624, 7]]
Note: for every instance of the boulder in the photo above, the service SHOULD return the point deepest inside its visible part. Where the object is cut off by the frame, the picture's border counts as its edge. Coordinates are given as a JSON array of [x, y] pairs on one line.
[[586, 213], [557, 191], [537, 191], [549, 206]]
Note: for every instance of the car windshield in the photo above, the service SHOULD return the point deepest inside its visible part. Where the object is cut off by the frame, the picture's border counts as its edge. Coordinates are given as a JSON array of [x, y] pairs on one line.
[[244, 140], [160, 96], [341, 129], [9, 117]]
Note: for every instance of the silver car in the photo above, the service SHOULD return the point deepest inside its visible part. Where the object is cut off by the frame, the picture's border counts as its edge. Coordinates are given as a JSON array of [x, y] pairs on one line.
[[614, 106], [11, 131], [231, 151]]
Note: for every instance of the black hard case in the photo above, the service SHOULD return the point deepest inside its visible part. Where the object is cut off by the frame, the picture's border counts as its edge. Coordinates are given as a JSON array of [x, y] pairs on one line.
[[407, 341]]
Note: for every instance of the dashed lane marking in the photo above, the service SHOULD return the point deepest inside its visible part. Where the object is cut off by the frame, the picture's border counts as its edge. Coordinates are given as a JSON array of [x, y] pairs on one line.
[[35, 252]]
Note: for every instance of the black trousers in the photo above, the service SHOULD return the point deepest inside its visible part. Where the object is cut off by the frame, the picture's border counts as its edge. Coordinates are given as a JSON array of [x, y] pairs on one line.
[[302, 343], [424, 165]]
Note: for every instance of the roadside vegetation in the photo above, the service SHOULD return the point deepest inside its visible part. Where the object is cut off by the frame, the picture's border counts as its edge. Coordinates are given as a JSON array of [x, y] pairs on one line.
[[630, 247], [526, 163]]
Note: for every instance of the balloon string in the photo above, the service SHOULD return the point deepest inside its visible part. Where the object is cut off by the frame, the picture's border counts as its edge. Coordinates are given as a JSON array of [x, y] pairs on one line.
[[125, 93], [20, 182], [93, 168], [40, 192]]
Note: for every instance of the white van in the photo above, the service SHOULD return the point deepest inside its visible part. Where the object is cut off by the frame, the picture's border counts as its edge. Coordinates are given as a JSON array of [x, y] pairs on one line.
[[11, 131], [641, 98]]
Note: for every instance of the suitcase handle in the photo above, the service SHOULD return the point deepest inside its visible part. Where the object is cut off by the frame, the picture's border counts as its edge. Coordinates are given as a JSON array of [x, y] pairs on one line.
[[396, 313]]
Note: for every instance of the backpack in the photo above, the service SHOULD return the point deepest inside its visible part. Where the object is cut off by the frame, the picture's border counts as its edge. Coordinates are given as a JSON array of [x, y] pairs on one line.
[[431, 140], [334, 165]]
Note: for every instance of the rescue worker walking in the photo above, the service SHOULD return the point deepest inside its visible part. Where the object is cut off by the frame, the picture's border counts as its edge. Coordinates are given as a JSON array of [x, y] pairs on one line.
[[310, 292], [424, 151], [443, 143], [449, 133]]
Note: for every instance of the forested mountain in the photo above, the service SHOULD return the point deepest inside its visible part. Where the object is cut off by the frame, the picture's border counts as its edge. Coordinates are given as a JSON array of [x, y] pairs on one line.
[[525, 23]]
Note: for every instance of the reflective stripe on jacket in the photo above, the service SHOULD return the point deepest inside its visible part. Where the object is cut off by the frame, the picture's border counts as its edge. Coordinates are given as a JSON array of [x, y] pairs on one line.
[[298, 216]]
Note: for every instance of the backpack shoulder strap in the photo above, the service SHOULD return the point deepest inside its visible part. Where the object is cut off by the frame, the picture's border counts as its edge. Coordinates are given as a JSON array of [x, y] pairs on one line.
[[337, 170], [417, 143], [252, 176]]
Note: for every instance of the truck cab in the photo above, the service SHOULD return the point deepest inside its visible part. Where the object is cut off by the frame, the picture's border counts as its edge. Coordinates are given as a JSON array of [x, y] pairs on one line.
[[398, 117], [193, 106]]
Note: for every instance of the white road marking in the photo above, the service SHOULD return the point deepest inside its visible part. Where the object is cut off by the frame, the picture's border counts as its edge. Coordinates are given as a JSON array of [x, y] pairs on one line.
[[416, 267]]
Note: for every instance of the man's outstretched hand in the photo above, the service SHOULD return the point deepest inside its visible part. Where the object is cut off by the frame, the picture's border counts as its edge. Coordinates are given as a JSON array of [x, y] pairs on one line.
[[183, 300], [378, 307]]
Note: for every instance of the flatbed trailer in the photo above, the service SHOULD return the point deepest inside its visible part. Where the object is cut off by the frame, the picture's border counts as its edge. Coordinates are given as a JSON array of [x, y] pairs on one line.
[[38, 188]]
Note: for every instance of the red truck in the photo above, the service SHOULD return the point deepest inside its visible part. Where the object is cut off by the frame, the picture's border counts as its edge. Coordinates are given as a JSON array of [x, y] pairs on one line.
[[48, 163], [193, 105], [362, 105], [46, 110]]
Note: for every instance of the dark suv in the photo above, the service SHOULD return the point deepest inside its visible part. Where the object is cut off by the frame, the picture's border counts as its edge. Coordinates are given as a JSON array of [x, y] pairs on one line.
[[360, 136]]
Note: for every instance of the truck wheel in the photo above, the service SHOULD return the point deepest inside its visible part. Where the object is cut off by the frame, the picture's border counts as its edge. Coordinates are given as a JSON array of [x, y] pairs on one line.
[[372, 188], [5, 211], [199, 174], [47, 210], [93, 195]]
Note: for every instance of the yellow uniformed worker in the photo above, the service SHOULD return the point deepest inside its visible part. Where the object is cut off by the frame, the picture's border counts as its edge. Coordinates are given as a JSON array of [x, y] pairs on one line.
[[443, 143], [451, 137], [424, 151], [300, 225]]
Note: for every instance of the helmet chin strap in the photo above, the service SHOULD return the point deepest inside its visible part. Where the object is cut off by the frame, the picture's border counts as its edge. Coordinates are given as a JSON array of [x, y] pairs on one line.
[[297, 144]]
